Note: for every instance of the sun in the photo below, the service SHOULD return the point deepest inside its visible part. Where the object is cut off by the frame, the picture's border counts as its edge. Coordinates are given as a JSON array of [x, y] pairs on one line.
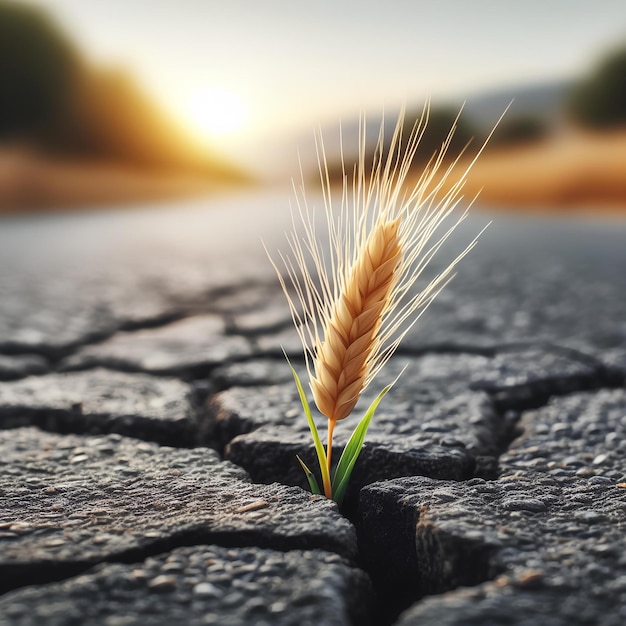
[[215, 113]]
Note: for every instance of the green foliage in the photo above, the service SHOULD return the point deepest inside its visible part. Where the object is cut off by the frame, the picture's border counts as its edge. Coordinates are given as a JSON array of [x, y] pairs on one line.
[[353, 449], [599, 101], [38, 68], [313, 484], [337, 488], [319, 448]]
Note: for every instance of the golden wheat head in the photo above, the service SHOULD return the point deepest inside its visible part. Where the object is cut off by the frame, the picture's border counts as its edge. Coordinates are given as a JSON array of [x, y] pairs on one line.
[[354, 300]]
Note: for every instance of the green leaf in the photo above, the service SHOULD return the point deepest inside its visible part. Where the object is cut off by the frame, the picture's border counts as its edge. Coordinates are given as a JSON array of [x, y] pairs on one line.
[[315, 488], [319, 448], [353, 449]]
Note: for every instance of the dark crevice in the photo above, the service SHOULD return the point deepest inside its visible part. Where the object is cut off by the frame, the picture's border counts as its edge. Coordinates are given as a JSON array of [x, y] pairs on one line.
[[499, 348], [207, 303], [196, 433], [153, 322], [536, 394], [232, 328], [408, 558], [186, 374], [446, 348], [55, 354]]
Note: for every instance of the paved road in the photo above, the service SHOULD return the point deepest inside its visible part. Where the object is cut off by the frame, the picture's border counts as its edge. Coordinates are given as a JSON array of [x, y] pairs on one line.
[[149, 430]]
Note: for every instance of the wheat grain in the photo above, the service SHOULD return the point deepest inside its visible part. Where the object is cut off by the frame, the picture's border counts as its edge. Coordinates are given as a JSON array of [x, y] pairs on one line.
[[342, 358]]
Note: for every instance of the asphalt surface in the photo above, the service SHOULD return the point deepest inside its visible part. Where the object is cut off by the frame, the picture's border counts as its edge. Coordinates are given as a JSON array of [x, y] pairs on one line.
[[149, 427]]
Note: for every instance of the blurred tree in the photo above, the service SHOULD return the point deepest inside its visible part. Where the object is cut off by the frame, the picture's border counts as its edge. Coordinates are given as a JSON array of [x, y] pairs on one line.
[[112, 119], [518, 130], [50, 98], [441, 120], [600, 100], [38, 69]]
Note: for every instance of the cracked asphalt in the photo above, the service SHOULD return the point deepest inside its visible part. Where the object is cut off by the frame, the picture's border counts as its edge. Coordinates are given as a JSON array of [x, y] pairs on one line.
[[149, 427]]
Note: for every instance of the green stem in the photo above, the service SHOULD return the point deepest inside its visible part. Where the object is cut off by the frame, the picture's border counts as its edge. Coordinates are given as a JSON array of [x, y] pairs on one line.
[[328, 490]]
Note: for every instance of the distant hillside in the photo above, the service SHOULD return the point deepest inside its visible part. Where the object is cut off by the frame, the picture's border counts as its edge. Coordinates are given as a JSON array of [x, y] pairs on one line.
[[53, 101], [543, 100], [529, 162]]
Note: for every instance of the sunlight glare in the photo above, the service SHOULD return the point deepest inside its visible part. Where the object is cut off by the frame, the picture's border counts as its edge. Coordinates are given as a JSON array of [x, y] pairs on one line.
[[216, 112]]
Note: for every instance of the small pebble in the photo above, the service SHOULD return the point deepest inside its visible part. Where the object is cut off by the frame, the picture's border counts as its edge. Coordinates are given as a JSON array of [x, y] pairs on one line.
[[207, 590], [163, 583], [530, 579], [585, 472]]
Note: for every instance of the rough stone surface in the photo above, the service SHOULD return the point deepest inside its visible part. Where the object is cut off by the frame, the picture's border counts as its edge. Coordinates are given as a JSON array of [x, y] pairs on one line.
[[548, 533], [271, 315], [578, 435], [21, 365], [188, 347], [69, 502], [532, 281], [534, 317], [253, 373], [203, 585], [563, 536], [101, 401], [527, 377], [519, 602]]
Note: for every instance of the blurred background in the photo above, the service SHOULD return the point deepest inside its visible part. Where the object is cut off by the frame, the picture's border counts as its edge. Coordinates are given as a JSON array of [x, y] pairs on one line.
[[117, 101]]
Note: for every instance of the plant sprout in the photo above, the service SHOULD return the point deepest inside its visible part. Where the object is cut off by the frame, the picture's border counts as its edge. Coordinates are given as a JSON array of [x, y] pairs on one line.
[[351, 291]]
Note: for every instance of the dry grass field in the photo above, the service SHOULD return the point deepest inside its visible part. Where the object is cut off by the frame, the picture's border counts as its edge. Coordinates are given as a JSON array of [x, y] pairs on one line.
[[29, 182], [574, 172], [578, 171]]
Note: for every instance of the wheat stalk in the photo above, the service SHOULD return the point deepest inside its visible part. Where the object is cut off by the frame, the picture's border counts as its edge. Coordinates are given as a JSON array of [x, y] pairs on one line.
[[353, 300]]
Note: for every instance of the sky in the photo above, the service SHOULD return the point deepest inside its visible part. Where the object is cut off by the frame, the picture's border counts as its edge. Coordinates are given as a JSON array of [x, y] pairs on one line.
[[238, 73]]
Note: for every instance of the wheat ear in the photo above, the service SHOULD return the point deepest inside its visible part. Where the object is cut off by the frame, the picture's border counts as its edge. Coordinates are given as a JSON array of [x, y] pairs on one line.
[[343, 356], [354, 300]]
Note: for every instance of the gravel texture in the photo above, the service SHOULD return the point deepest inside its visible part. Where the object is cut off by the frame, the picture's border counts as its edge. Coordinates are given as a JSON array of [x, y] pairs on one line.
[[203, 585], [188, 348], [548, 533], [14, 366], [101, 401], [528, 341], [545, 541], [581, 435], [69, 502]]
